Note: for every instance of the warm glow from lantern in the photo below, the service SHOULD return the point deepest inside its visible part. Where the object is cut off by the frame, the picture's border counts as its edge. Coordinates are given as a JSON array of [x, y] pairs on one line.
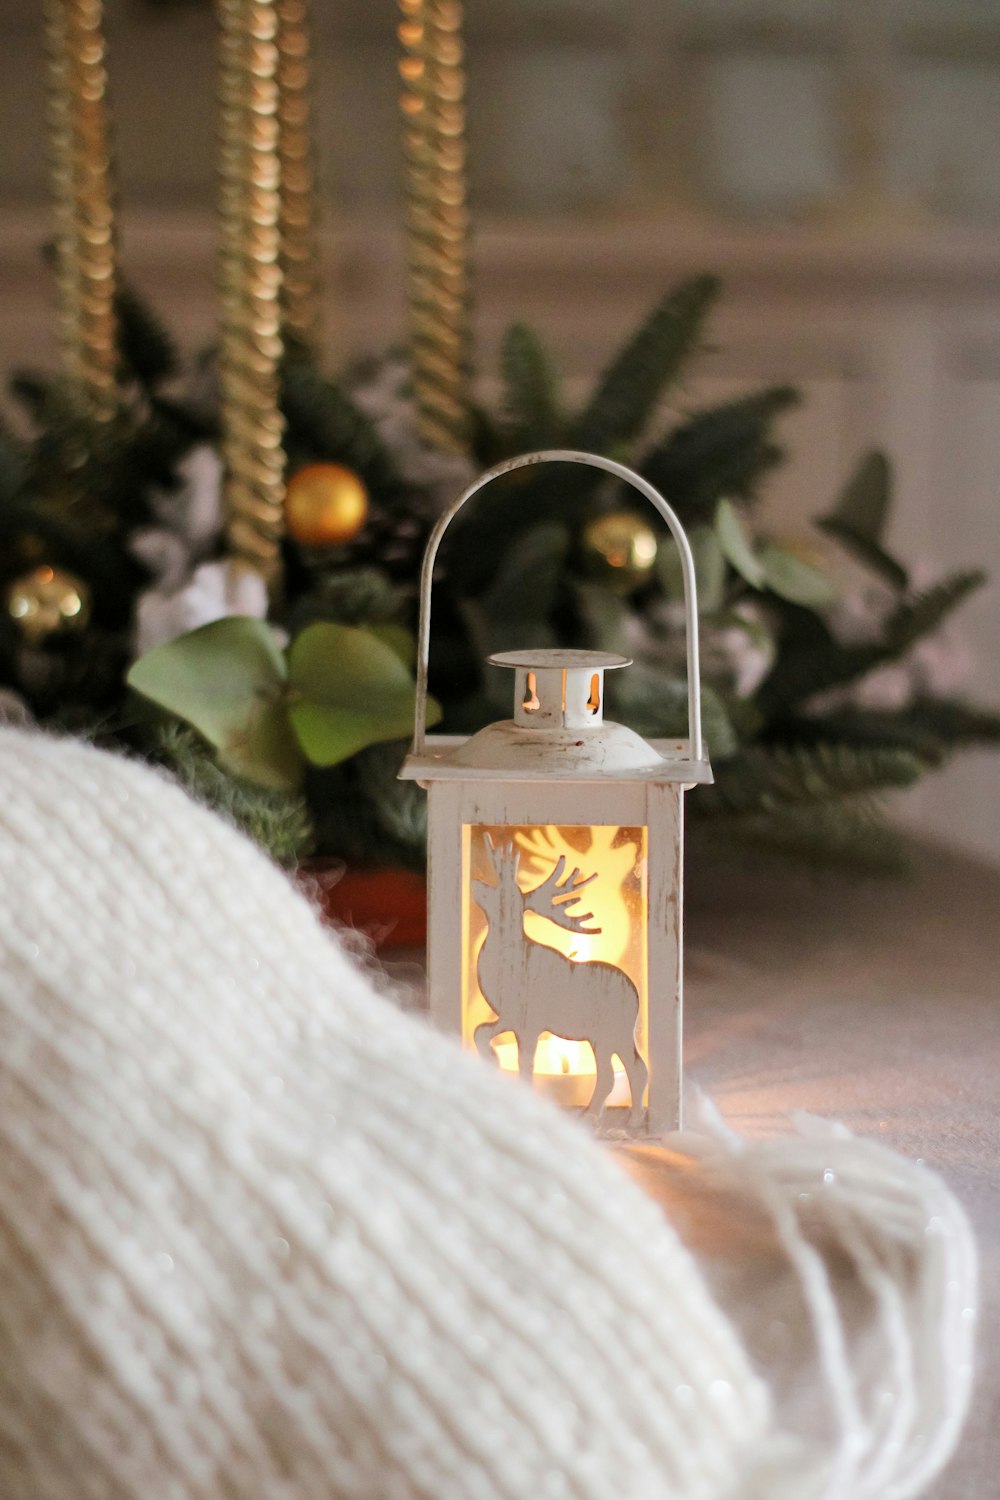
[[616, 897]]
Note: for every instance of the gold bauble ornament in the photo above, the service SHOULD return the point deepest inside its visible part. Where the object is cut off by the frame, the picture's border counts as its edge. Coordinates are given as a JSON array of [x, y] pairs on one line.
[[325, 505], [47, 601], [619, 549]]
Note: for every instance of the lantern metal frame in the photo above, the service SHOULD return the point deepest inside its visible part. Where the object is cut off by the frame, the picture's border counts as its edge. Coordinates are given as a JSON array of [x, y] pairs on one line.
[[493, 780]]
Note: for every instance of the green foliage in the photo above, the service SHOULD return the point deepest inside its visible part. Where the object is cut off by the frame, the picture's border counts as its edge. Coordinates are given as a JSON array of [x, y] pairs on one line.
[[630, 388], [347, 690], [228, 680], [722, 452], [280, 822], [324, 424], [858, 519], [820, 802], [931, 728], [516, 610], [762, 778], [267, 712], [356, 596], [366, 813], [530, 403], [922, 613], [736, 545], [654, 704], [794, 579], [812, 660], [146, 349], [304, 744]]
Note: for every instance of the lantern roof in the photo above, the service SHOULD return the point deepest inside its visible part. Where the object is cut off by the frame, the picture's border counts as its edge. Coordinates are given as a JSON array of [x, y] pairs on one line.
[[500, 753], [558, 732]]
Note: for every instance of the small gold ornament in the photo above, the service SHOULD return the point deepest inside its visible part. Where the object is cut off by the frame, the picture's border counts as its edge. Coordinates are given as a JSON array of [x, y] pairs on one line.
[[48, 601], [325, 505], [619, 549]]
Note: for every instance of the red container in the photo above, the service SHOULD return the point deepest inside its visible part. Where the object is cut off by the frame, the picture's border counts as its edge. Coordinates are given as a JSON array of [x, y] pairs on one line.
[[388, 905]]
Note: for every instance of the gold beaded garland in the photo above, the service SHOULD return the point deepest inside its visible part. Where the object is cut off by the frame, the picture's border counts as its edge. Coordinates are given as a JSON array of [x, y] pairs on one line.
[[620, 549], [47, 601], [325, 505]]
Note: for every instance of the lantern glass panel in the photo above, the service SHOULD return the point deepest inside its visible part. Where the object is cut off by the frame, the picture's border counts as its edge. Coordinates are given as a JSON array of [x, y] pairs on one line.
[[534, 891]]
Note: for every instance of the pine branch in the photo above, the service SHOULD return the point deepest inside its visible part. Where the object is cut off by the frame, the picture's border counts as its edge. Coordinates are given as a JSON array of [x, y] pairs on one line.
[[922, 613], [849, 833], [13, 465], [530, 404], [325, 424], [955, 723], [931, 728], [145, 348], [629, 390], [812, 661], [762, 779], [351, 596], [279, 822], [365, 814], [722, 452], [619, 409]]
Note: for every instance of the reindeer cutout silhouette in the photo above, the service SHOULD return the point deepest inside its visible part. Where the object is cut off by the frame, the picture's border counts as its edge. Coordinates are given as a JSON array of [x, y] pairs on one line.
[[532, 988]]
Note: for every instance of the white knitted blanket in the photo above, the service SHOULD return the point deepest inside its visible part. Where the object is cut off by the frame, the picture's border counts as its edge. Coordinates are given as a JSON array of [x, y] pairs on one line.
[[262, 1236]]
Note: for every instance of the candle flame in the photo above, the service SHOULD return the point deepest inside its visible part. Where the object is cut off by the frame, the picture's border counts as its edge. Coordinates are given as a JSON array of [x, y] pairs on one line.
[[562, 1066]]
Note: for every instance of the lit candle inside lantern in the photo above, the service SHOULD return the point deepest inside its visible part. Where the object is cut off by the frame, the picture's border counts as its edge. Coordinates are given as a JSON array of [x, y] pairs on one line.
[[615, 858], [555, 843]]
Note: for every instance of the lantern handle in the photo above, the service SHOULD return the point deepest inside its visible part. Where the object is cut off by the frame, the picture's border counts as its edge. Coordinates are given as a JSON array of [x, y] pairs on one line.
[[595, 461]]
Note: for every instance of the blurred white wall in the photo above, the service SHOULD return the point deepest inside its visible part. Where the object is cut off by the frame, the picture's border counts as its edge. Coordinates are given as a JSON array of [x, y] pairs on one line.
[[835, 160]]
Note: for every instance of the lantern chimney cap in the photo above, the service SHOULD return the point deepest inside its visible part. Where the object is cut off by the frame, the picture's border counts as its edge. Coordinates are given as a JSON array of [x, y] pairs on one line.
[[547, 659], [555, 689]]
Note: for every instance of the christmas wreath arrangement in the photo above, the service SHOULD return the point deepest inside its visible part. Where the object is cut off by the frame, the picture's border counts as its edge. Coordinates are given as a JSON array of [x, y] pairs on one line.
[[828, 679]]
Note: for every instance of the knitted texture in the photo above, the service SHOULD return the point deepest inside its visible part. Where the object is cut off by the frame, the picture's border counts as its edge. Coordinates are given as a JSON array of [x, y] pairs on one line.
[[261, 1235]]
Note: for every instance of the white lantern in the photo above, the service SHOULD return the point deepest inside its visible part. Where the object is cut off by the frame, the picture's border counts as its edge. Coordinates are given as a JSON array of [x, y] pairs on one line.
[[555, 843]]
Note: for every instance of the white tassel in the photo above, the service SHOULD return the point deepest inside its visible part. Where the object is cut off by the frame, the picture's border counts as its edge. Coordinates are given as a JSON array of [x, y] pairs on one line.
[[884, 1262]]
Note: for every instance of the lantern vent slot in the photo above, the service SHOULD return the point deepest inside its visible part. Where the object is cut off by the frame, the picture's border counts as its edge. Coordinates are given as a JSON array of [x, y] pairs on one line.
[[594, 701], [531, 703]]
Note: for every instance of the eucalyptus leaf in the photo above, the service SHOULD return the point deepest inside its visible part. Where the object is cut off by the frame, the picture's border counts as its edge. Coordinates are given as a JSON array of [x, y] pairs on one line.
[[869, 553], [736, 545], [794, 579], [398, 639], [347, 690], [858, 520], [227, 680], [863, 504], [709, 568]]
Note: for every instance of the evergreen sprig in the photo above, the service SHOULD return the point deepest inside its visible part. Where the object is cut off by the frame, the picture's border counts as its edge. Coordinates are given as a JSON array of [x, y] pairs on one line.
[[324, 424], [628, 392], [531, 413], [723, 452], [147, 352], [813, 661], [762, 778], [850, 833], [279, 821]]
